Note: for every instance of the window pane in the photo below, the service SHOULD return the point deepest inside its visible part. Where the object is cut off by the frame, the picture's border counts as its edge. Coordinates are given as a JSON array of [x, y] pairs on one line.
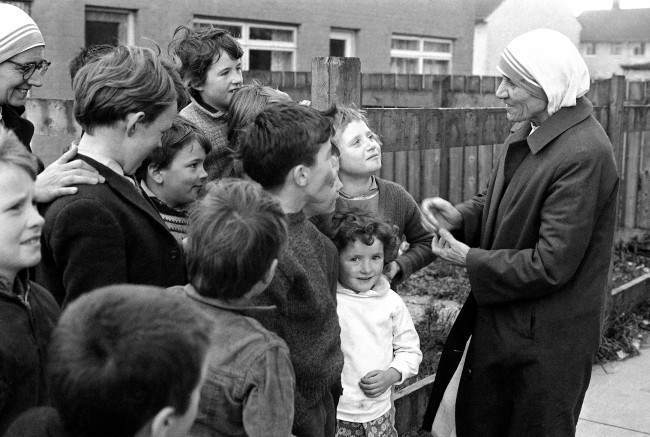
[[270, 60], [266, 34], [100, 32], [405, 44], [431, 66], [337, 47], [403, 65], [436, 46]]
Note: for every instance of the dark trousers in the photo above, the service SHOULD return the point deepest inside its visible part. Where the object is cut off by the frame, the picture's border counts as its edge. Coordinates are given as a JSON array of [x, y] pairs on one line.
[[320, 419]]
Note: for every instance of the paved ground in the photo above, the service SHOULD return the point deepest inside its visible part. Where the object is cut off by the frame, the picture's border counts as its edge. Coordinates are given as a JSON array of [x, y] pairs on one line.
[[617, 403]]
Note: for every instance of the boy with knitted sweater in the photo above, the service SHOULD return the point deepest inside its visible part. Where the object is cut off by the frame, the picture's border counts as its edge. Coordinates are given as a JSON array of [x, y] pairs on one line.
[[360, 160], [287, 150]]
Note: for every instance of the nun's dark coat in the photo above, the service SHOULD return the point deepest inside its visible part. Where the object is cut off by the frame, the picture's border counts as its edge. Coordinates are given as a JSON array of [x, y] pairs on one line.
[[538, 271]]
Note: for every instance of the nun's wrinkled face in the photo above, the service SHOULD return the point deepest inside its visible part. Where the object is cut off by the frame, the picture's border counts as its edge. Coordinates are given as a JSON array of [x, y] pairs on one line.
[[19, 74], [520, 104]]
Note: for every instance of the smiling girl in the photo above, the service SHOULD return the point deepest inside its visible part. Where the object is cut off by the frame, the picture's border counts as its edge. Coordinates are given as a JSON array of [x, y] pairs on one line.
[[380, 345]]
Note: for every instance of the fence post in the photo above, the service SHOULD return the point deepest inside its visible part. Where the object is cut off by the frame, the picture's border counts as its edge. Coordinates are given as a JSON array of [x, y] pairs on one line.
[[615, 131], [335, 80]]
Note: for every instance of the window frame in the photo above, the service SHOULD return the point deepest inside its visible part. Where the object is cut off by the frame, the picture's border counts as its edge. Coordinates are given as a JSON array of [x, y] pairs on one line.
[[248, 44], [347, 35], [128, 16], [421, 54]]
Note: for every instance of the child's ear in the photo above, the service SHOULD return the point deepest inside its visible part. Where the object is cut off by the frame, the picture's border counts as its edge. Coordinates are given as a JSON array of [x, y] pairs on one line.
[[132, 119], [161, 423], [300, 175], [155, 173]]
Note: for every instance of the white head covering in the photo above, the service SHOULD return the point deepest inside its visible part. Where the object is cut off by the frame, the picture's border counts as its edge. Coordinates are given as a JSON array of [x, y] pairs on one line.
[[18, 32], [548, 65]]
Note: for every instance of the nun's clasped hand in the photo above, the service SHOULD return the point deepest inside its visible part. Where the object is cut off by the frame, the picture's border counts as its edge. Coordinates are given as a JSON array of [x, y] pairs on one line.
[[445, 246]]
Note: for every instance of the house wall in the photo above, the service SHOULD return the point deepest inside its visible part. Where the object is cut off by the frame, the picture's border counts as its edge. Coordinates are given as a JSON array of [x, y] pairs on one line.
[[514, 17], [603, 64], [62, 23]]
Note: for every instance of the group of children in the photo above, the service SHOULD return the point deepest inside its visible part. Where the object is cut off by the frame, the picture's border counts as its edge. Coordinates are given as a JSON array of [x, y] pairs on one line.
[[287, 323]]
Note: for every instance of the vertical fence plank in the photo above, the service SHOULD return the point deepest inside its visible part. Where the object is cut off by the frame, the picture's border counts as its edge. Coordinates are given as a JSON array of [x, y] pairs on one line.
[[616, 132], [335, 80], [631, 177], [484, 167], [643, 194], [444, 156]]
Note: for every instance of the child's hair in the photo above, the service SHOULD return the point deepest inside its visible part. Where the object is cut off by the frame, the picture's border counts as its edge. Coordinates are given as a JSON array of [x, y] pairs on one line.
[[12, 152], [282, 136], [182, 96], [235, 232], [121, 354], [182, 133], [198, 50], [354, 224], [127, 80], [247, 102], [341, 116], [87, 55]]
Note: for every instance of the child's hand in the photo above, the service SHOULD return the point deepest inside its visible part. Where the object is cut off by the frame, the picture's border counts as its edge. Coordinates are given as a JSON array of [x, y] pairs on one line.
[[376, 382], [391, 270]]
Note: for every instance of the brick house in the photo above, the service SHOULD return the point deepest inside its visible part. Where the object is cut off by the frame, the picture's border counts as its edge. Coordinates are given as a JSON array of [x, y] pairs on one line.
[[400, 36], [616, 41]]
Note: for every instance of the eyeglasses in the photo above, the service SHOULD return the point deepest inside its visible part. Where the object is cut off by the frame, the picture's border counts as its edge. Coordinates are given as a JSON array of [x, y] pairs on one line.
[[28, 69]]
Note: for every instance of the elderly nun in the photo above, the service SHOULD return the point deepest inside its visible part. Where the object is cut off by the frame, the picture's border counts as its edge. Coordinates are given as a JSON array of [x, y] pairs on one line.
[[22, 67], [536, 246]]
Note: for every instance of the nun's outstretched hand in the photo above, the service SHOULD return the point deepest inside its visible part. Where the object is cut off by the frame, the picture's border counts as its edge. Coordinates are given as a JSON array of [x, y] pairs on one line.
[[438, 213], [445, 246]]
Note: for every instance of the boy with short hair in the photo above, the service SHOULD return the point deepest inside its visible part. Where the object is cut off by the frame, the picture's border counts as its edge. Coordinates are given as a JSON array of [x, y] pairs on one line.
[[359, 161], [287, 150], [109, 233], [172, 176], [235, 237], [124, 361], [211, 68]]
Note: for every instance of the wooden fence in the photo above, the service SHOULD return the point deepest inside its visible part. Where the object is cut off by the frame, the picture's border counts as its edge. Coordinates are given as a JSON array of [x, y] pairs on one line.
[[427, 90]]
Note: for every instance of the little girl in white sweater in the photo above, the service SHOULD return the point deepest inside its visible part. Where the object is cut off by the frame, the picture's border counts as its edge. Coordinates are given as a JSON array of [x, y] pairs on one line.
[[379, 342]]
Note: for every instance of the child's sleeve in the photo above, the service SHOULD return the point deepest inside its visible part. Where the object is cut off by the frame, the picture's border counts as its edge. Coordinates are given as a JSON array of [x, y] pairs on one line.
[[419, 254], [268, 409], [406, 342]]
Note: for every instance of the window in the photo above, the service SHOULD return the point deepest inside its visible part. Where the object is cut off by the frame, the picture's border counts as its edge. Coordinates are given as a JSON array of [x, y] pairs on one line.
[[25, 5], [266, 46], [342, 42], [616, 49], [589, 48], [109, 26], [420, 55], [638, 48]]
